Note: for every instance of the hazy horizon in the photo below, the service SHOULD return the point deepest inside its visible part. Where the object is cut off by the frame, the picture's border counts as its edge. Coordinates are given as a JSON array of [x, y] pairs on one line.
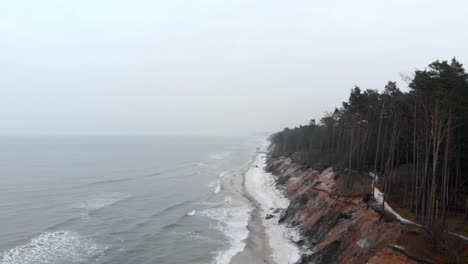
[[207, 67]]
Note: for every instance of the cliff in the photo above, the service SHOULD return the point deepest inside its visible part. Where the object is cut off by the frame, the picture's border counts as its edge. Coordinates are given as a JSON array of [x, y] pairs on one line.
[[346, 226]]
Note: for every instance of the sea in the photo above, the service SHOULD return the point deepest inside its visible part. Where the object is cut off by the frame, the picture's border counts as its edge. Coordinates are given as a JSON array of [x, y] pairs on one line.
[[123, 199]]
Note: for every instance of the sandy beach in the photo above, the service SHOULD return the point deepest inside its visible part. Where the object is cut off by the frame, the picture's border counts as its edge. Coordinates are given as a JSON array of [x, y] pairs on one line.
[[267, 241]]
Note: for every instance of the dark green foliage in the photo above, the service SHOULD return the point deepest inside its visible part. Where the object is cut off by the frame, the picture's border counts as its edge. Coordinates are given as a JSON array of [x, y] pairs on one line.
[[416, 141]]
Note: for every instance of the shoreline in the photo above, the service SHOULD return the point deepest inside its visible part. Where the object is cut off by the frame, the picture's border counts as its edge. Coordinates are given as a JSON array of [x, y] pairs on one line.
[[256, 249], [267, 240]]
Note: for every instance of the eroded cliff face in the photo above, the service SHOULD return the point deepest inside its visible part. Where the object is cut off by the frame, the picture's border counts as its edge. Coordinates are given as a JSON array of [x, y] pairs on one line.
[[336, 228]]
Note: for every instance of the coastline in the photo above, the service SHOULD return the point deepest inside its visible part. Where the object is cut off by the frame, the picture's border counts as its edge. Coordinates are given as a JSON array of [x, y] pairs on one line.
[[252, 248], [267, 241]]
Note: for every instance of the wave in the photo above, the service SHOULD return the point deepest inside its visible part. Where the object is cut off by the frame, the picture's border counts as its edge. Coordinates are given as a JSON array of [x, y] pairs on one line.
[[155, 173], [261, 185], [54, 248], [194, 235], [109, 181], [164, 171], [215, 185], [87, 207], [66, 222], [191, 213], [210, 204], [158, 214], [220, 155], [102, 201], [232, 221], [172, 226], [169, 209], [225, 173], [152, 174]]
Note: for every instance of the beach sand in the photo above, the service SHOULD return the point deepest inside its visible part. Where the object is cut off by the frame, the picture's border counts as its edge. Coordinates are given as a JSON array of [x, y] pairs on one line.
[[267, 241]]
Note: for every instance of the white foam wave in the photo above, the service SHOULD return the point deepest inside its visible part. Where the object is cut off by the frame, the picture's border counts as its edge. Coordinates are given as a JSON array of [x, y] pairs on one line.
[[220, 155], [224, 174], [261, 185], [232, 221], [227, 200], [191, 213], [294, 235], [102, 201], [53, 248], [189, 236], [216, 186]]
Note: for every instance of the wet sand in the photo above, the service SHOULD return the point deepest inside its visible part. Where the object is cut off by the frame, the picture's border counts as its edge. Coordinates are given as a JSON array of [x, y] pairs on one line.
[[257, 249], [267, 241]]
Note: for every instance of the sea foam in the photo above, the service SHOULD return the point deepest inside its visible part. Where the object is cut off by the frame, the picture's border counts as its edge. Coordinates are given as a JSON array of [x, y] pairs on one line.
[[261, 186], [53, 248], [102, 201], [232, 221], [191, 213], [216, 186], [220, 155]]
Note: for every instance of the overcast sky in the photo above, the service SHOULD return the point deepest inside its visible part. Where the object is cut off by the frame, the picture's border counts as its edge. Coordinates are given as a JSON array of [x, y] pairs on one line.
[[207, 66]]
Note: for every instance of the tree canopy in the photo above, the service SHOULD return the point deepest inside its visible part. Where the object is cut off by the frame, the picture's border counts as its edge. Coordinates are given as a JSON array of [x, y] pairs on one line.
[[417, 141]]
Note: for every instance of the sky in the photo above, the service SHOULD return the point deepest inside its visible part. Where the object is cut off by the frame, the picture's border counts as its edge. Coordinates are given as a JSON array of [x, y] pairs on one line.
[[207, 67]]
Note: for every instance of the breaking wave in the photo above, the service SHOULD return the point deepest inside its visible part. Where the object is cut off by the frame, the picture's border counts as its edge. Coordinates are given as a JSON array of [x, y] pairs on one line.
[[191, 213], [220, 155], [232, 221], [102, 201], [216, 186], [54, 248]]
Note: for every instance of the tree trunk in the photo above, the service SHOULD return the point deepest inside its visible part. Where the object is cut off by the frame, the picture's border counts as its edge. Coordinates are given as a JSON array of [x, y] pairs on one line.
[[377, 150]]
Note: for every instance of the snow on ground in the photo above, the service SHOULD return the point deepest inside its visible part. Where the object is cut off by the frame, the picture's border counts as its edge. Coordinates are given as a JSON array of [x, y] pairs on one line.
[[460, 236], [378, 196], [261, 186]]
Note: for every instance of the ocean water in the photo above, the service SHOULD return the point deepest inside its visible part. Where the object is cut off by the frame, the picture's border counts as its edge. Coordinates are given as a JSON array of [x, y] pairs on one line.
[[122, 199]]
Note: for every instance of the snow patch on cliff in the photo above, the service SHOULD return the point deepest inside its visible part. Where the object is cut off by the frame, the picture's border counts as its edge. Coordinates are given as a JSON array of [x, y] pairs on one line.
[[378, 196]]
